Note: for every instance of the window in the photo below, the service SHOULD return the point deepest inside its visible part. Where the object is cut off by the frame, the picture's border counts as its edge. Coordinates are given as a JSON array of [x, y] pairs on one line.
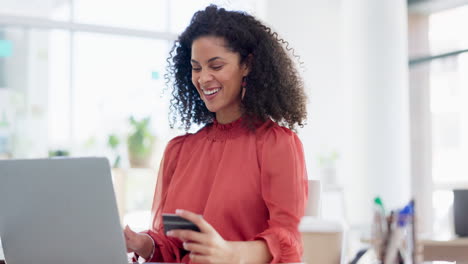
[[76, 73], [55, 10], [149, 15], [116, 77], [449, 94], [449, 110]]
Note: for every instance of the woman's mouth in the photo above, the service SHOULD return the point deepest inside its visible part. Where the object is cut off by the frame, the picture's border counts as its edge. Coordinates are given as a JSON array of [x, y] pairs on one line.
[[210, 93]]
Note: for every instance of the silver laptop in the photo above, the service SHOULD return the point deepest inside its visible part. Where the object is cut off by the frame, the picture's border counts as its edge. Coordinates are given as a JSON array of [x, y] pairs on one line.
[[55, 211]]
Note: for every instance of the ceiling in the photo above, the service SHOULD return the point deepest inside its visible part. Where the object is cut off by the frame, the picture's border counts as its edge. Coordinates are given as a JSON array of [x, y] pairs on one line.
[[415, 6], [431, 6]]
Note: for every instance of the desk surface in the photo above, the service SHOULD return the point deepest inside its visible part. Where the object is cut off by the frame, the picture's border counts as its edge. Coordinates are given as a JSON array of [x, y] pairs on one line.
[[448, 249], [456, 241], [442, 249]]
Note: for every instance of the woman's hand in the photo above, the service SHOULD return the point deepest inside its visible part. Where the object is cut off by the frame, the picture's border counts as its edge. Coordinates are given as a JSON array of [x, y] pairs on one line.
[[206, 246], [138, 243]]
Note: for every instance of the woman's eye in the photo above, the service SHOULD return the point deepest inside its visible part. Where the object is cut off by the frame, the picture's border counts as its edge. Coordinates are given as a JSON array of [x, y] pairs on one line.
[[196, 69], [217, 67]]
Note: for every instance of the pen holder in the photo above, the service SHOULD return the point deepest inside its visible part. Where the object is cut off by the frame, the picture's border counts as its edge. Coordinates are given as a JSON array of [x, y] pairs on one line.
[[393, 238]]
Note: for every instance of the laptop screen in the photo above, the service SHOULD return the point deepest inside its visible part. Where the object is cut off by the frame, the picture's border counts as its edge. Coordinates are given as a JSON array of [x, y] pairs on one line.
[[56, 210]]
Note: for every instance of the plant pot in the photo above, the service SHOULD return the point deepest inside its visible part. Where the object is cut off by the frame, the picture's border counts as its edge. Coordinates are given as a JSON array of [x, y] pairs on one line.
[[329, 176], [140, 144], [138, 161]]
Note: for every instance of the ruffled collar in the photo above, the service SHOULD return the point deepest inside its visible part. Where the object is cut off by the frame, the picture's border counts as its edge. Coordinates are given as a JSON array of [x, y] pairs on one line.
[[222, 132]]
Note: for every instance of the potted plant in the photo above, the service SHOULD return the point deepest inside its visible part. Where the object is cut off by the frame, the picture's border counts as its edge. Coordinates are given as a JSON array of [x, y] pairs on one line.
[[327, 164], [140, 143], [113, 142], [58, 153]]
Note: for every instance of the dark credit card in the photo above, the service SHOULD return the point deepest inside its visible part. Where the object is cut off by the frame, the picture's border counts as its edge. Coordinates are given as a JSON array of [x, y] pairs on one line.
[[173, 221]]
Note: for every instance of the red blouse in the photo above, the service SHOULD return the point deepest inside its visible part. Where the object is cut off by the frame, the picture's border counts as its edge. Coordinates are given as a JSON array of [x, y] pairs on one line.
[[247, 185]]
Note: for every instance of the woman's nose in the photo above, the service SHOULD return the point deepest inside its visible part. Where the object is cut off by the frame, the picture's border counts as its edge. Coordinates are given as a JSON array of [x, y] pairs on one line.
[[204, 77]]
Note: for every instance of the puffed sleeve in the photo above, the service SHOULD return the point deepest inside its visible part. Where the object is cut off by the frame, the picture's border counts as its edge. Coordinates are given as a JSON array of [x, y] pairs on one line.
[[166, 249], [284, 190]]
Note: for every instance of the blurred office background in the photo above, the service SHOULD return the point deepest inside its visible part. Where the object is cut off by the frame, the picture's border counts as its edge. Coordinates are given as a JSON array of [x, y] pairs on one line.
[[387, 84]]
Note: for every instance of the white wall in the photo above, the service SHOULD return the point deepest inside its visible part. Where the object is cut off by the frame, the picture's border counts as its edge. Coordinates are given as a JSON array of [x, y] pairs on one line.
[[376, 71], [355, 56], [313, 30]]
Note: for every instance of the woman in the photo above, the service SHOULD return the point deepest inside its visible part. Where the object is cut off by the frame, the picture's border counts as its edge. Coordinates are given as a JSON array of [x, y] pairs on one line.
[[242, 177]]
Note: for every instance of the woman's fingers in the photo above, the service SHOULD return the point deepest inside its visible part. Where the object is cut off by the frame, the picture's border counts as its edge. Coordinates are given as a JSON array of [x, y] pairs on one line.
[[128, 230], [196, 248], [128, 239], [206, 246], [196, 219], [129, 233], [199, 258], [133, 240], [188, 235]]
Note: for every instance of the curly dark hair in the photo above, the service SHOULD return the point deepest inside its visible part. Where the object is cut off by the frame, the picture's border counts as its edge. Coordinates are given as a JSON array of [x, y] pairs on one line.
[[274, 88]]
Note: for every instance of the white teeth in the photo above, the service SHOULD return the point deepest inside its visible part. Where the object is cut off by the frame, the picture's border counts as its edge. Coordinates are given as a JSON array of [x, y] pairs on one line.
[[210, 91]]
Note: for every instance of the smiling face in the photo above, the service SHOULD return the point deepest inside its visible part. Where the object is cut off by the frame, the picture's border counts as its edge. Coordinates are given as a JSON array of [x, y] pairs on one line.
[[217, 74]]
